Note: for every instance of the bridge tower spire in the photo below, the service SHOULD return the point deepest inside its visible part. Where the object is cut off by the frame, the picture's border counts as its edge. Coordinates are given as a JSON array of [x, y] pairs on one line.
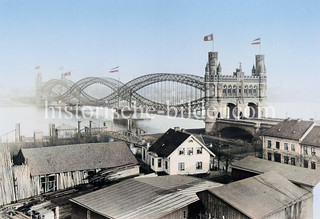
[[213, 68]]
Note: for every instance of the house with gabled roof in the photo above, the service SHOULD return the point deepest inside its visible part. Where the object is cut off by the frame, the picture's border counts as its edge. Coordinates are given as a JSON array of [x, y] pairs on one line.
[[282, 143], [178, 152], [47, 169]]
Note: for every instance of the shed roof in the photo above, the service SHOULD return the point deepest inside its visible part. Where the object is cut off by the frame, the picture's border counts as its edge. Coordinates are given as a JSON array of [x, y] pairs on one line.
[[289, 129], [146, 197], [66, 158], [269, 192], [298, 175], [313, 137], [168, 142]]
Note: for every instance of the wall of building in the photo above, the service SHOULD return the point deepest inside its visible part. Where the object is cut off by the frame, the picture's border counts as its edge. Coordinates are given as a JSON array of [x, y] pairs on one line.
[[299, 154], [179, 214], [189, 160], [79, 212]]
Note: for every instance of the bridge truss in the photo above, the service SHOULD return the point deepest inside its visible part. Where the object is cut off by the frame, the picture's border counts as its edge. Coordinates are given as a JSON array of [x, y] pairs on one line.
[[158, 91]]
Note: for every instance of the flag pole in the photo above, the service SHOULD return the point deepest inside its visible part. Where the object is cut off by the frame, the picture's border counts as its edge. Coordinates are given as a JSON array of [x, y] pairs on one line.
[[212, 43], [260, 47]]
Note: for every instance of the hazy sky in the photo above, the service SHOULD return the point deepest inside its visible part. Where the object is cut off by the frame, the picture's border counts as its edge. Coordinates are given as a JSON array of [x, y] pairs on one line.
[[90, 37]]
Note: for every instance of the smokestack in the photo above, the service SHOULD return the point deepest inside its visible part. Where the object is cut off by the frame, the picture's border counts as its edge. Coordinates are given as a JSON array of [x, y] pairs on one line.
[[79, 122], [17, 133]]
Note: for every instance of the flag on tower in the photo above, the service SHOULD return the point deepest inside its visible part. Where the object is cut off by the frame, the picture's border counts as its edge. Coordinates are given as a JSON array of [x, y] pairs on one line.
[[114, 70], [256, 41], [37, 67], [67, 73], [208, 38]]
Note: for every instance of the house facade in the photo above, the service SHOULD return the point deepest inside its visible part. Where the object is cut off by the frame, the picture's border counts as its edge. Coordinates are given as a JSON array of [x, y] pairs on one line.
[[177, 152], [283, 143], [311, 149]]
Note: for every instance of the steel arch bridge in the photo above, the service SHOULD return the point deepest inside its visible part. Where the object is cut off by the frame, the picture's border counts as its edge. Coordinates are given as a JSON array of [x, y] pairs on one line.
[[157, 91]]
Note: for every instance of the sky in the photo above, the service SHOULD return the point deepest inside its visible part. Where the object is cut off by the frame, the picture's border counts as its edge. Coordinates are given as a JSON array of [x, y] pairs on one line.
[[89, 37]]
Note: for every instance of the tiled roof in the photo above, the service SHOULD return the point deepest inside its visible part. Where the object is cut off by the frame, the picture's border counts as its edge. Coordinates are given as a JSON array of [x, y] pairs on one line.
[[261, 196], [313, 137], [289, 129], [66, 158], [168, 142], [298, 175], [146, 197]]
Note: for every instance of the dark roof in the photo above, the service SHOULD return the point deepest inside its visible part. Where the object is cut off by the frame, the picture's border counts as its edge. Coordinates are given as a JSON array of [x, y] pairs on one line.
[[145, 197], [313, 137], [261, 196], [59, 159], [298, 175], [289, 129], [168, 142]]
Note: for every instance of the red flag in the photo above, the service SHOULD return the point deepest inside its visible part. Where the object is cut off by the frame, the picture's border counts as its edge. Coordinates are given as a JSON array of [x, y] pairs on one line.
[[67, 73], [256, 41], [208, 38], [37, 67], [114, 70]]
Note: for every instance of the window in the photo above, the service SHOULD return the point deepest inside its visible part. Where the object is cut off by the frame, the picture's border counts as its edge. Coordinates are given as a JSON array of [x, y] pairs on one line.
[[305, 150], [313, 151], [293, 148], [152, 161], [305, 163], [285, 159], [269, 143], [48, 183], [190, 141], [181, 151], [199, 150], [286, 146], [190, 151], [277, 145], [313, 165], [269, 156], [293, 161], [159, 163], [199, 165], [166, 164], [181, 166]]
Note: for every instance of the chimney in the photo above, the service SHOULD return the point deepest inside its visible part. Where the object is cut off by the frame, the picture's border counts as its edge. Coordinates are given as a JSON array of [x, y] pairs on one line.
[[79, 122], [176, 128], [17, 133]]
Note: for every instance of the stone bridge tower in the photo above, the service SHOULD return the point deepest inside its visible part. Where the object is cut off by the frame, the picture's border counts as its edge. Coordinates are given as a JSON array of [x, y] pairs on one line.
[[234, 96]]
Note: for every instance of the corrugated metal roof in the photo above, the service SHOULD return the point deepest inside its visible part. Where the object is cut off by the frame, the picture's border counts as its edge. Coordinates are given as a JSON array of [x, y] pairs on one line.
[[289, 129], [261, 196], [295, 174], [66, 158], [150, 197], [313, 137]]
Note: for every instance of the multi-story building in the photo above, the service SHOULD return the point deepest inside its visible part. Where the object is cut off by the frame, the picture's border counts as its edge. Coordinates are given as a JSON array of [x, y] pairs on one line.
[[294, 142], [177, 152]]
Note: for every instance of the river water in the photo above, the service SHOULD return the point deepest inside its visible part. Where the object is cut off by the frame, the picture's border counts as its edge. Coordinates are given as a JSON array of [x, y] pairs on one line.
[[32, 119]]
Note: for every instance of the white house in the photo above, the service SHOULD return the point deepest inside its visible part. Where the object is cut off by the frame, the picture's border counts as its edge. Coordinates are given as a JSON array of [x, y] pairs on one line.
[[177, 152]]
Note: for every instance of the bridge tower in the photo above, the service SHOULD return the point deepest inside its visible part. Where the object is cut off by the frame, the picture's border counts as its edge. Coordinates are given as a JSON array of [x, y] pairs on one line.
[[234, 96], [212, 69]]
